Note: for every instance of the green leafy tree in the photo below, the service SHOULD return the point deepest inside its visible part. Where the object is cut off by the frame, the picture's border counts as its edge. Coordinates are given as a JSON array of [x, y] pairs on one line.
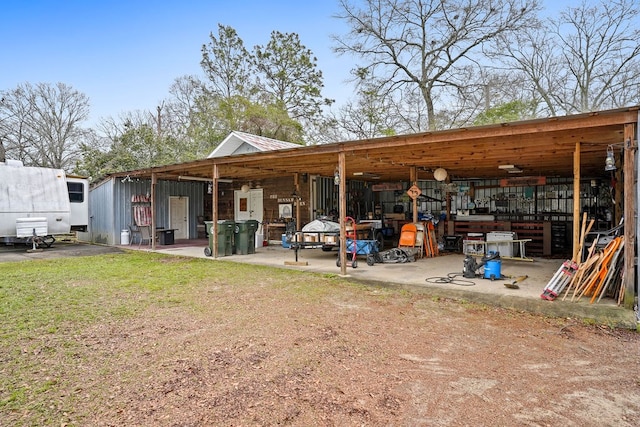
[[288, 73], [271, 91], [504, 113], [131, 143], [136, 148], [227, 64], [260, 119]]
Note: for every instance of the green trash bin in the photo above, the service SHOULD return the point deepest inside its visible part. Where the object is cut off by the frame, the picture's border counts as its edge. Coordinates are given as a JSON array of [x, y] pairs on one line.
[[245, 237], [225, 237], [252, 227]]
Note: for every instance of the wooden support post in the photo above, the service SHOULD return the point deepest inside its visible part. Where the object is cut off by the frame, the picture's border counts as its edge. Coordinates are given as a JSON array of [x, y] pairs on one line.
[[630, 213], [447, 197], [413, 177], [576, 198], [342, 211], [152, 233], [215, 174]]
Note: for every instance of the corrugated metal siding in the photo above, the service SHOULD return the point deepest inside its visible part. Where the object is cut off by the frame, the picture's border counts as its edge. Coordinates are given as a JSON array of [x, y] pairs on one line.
[[123, 207], [101, 213], [326, 195], [111, 209], [195, 191]]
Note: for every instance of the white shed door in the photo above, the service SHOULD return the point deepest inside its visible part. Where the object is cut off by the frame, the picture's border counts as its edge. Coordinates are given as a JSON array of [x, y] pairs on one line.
[[248, 205], [179, 217]]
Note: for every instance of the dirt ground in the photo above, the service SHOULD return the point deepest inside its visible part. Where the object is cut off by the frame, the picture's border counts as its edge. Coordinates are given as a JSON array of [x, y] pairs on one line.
[[266, 355], [272, 353]]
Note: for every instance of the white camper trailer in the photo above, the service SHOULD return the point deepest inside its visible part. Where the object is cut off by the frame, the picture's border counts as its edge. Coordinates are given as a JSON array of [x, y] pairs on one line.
[[34, 204]]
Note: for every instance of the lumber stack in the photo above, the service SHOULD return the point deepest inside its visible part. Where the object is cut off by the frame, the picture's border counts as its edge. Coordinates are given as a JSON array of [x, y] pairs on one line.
[[567, 272], [430, 241], [600, 274]]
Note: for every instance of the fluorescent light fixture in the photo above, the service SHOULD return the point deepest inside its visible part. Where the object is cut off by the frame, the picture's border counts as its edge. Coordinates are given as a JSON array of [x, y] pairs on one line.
[[366, 175], [510, 168]]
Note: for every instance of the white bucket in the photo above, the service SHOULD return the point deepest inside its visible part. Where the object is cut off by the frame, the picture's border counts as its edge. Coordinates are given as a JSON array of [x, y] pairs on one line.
[[124, 237]]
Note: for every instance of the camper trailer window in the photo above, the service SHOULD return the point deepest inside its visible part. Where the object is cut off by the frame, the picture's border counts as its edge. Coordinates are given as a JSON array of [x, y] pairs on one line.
[[76, 192]]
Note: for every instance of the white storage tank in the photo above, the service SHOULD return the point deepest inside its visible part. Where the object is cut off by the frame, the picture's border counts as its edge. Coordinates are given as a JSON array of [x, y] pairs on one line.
[[124, 237]]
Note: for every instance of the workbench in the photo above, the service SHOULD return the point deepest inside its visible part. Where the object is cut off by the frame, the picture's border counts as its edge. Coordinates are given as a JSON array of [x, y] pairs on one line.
[[479, 248], [278, 227]]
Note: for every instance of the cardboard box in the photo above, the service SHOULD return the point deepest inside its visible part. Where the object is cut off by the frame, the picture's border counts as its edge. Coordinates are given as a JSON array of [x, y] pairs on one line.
[[330, 239]]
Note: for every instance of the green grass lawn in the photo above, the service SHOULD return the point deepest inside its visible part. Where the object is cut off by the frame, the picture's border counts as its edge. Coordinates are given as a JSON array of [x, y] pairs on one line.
[[46, 304]]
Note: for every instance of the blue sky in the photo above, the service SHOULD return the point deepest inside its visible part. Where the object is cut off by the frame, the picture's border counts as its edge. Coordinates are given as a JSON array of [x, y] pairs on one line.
[[124, 55]]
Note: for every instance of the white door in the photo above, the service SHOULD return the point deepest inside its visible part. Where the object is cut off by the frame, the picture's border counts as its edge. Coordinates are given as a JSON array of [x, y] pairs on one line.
[[179, 217], [248, 205]]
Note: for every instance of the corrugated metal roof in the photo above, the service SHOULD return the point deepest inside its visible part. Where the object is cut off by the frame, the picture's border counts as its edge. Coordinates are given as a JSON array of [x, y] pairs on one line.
[[232, 144]]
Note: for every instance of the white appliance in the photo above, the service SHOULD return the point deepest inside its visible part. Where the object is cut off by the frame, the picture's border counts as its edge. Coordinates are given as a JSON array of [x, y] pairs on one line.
[[503, 243]]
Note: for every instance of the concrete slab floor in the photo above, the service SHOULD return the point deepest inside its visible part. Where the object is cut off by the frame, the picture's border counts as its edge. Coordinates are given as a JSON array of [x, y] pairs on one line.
[[442, 277]]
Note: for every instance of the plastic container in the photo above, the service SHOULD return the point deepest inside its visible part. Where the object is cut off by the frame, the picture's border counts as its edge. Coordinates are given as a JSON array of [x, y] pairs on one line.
[[225, 237], [285, 244], [166, 237], [124, 237], [492, 269], [259, 240], [244, 236]]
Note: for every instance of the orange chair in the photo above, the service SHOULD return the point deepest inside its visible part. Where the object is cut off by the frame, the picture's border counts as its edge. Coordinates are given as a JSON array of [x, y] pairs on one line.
[[408, 234]]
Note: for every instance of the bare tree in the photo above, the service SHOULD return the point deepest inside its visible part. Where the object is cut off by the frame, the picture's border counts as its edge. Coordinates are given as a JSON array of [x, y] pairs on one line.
[[586, 59], [188, 119], [599, 45], [41, 124], [430, 45], [184, 92], [369, 116], [13, 113]]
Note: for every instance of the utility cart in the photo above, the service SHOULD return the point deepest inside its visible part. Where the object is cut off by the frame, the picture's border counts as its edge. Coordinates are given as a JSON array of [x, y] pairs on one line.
[[355, 247]]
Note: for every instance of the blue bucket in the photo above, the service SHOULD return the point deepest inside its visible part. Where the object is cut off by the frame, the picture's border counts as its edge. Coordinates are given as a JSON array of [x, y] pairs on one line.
[[492, 269]]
